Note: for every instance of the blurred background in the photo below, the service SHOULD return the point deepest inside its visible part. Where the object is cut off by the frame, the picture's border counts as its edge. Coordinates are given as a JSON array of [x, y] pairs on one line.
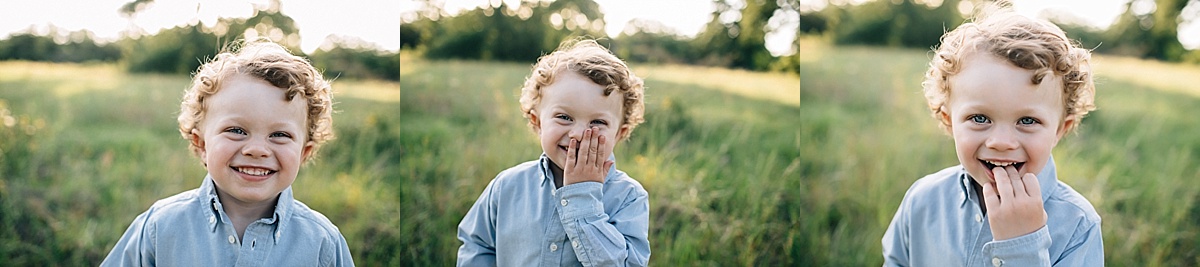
[[717, 152], [867, 134], [90, 92]]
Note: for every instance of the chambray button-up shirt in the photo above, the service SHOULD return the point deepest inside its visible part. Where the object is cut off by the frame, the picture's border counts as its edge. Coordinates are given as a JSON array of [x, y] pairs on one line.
[[522, 220], [192, 229], [939, 223]]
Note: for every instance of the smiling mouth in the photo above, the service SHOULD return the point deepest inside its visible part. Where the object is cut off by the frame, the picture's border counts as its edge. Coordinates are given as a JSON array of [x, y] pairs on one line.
[[253, 171], [990, 165]]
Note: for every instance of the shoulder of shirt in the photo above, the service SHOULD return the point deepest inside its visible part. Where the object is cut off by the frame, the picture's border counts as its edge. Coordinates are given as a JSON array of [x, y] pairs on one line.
[[302, 214], [620, 179], [178, 205], [941, 182], [1065, 195]]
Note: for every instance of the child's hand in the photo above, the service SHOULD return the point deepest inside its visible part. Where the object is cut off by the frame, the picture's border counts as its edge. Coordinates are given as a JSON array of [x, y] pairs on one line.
[[1014, 206], [587, 159]]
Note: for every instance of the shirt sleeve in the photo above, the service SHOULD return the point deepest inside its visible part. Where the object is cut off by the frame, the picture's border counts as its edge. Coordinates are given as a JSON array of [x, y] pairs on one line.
[[597, 238], [1031, 249], [136, 246], [1085, 249], [477, 231], [895, 239], [335, 252]]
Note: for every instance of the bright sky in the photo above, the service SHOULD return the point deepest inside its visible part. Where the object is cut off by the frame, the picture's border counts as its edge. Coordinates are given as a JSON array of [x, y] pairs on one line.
[[1097, 13], [686, 17], [374, 21]]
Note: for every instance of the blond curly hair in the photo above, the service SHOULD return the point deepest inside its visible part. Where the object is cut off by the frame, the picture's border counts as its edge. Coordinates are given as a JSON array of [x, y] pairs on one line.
[[1027, 43], [598, 64], [272, 63]]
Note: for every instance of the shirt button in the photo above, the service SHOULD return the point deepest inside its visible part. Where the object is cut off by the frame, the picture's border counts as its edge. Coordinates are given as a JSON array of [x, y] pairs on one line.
[[276, 235], [553, 247], [564, 202], [978, 218], [997, 262], [232, 239], [575, 244], [212, 219]]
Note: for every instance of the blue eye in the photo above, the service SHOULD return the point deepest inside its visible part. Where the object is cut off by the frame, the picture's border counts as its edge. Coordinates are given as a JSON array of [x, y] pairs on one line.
[[1027, 120], [281, 134], [236, 130], [979, 119], [563, 117], [600, 122]]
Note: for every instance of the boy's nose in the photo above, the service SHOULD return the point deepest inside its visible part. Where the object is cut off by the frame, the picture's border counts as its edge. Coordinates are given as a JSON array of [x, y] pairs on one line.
[[1002, 140], [255, 151]]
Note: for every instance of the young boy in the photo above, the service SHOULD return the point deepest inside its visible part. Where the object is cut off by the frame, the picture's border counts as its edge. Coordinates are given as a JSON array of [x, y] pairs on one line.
[[253, 117], [571, 206], [1007, 88]]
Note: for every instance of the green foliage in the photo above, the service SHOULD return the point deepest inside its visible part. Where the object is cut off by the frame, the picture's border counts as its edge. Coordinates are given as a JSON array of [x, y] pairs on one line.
[[79, 47], [894, 23], [866, 141], [85, 148], [343, 61]]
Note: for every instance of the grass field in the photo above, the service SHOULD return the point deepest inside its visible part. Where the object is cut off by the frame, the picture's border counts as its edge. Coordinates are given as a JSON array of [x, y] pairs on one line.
[[85, 148], [718, 154], [866, 136]]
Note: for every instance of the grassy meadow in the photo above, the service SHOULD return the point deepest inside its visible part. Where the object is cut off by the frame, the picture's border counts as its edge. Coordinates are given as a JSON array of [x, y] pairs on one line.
[[866, 136], [718, 154], [86, 148]]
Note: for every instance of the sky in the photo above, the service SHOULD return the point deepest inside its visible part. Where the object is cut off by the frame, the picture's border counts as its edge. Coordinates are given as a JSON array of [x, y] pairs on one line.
[[1096, 13], [685, 17], [373, 21]]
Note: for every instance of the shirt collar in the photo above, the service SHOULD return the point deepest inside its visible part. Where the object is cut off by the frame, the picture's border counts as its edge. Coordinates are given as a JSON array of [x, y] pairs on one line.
[[544, 164], [208, 194], [1046, 180]]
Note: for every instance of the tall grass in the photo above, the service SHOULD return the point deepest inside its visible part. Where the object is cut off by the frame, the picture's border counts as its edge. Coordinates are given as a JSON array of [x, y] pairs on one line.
[[85, 148], [867, 136], [719, 156]]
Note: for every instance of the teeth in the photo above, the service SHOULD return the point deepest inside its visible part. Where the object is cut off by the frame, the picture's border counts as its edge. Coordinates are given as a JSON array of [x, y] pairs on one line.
[[1000, 164], [254, 171]]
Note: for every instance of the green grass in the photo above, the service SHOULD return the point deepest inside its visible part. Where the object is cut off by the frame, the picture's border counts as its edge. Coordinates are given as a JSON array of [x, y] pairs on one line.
[[719, 159], [85, 148], [867, 136]]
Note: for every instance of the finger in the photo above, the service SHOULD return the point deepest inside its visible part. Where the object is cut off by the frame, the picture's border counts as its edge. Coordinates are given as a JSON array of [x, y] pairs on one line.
[[1018, 184], [605, 150], [584, 147], [1003, 184], [572, 149], [990, 198], [595, 149], [1032, 186]]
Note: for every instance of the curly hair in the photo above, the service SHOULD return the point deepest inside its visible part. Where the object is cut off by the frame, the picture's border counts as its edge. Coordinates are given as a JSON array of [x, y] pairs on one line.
[[1026, 43], [275, 65], [598, 64]]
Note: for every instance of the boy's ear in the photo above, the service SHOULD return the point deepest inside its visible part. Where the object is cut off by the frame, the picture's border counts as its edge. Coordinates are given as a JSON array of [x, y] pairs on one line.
[[1068, 122], [198, 141], [622, 131], [533, 120], [944, 116], [306, 152]]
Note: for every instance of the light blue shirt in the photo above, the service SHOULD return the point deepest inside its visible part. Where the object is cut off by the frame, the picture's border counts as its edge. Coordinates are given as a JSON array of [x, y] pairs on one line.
[[192, 229], [522, 220], [939, 223]]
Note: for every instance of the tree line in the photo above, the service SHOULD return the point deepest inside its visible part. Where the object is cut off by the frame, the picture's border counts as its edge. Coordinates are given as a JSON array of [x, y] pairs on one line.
[[1146, 28], [182, 49], [734, 36]]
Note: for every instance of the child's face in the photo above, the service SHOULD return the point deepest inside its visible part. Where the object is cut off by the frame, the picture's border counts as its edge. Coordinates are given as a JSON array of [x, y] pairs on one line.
[[571, 104], [999, 117], [252, 140]]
